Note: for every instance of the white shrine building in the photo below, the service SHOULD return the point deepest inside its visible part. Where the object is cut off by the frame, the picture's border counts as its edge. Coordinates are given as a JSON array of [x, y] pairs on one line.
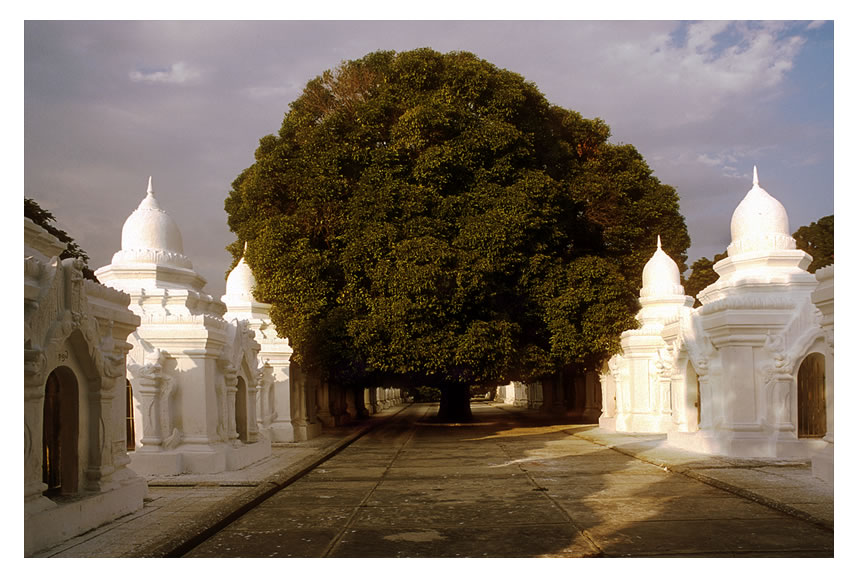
[[750, 372], [637, 391], [285, 408], [194, 375], [76, 469]]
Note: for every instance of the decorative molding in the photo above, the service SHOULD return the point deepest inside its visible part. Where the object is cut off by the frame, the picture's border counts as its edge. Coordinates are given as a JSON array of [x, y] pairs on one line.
[[749, 302], [107, 293], [151, 256]]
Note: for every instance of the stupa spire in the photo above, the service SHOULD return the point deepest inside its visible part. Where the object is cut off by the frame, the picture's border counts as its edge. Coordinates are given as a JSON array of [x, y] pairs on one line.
[[149, 186], [659, 245], [755, 175]]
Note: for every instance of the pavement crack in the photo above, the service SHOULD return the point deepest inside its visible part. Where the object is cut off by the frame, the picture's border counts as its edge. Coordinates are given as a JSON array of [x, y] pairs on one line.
[[539, 488], [363, 503]]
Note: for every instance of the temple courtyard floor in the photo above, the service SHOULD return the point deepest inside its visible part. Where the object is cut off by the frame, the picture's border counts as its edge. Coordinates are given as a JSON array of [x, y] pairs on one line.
[[510, 484]]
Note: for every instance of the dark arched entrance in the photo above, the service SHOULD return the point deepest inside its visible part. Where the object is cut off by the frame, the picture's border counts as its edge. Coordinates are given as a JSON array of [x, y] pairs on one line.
[[811, 397], [242, 410], [129, 417], [60, 433]]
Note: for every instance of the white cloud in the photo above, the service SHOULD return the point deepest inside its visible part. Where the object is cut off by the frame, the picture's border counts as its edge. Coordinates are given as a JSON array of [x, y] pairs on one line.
[[269, 92], [709, 66], [177, 74], [706, 159]]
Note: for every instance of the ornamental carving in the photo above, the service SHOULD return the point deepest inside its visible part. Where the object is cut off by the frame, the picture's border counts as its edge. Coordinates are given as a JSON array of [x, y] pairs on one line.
[[154, 389], [699, 347], [60, 308]]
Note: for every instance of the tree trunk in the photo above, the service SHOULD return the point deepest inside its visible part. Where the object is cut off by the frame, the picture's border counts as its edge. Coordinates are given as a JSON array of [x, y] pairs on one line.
[[454, 407]]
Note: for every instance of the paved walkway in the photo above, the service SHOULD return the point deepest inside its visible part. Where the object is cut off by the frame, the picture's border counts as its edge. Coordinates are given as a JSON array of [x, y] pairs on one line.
[[785, 485], [509, 485]]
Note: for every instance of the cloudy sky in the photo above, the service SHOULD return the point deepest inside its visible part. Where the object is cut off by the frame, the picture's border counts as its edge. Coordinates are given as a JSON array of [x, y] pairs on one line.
[[107, 104]]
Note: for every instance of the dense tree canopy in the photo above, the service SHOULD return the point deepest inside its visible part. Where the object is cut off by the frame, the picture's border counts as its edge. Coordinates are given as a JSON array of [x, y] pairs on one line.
[[432, 217], [44, 218], [816, 239]]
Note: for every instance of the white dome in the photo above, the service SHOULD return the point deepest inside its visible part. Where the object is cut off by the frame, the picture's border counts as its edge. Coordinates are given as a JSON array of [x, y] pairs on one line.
[[241, 282], [661, 276], [150, 236], [760, 223], [150, 228]]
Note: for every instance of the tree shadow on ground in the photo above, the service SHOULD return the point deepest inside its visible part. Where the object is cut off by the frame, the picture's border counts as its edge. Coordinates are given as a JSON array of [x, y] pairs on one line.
[[508, 485]]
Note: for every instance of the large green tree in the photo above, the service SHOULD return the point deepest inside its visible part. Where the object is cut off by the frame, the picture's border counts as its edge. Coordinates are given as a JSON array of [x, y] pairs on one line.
[[433, 218]]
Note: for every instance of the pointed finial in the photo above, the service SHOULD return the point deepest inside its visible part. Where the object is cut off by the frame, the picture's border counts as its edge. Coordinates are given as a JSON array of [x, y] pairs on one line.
[[659, 245], [755, 175], [149, 186], [245, 249]]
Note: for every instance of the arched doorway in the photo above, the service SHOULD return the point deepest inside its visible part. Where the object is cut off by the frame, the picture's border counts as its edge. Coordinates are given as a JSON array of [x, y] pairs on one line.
[[694, 396], [60, 433], [242, 410], [811, 397], [129, 418]]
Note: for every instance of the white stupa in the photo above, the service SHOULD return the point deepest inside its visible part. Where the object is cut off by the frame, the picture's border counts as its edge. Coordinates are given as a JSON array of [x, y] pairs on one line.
[[239, 295], [151, 256], [661, 294], [636, 397], [762, 257], [760, 223]]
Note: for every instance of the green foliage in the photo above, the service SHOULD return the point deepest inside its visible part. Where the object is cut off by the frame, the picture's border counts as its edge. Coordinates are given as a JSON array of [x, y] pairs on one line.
[[431, 216], [701, 276], [45, 219], [816, 239]]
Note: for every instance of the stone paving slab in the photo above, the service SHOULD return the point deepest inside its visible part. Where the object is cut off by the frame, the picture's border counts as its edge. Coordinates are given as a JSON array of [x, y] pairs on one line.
[[688, 537], [295, 517], [619, 490], [323, 496], [401, 495], [646, 478], [456, 514], [591, 511], [327, 473], [555, 540], [459, 472], [278, 543]]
